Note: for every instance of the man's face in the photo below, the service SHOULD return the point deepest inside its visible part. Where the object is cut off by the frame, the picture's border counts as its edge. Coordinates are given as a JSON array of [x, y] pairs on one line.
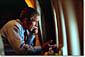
[[32, 25]]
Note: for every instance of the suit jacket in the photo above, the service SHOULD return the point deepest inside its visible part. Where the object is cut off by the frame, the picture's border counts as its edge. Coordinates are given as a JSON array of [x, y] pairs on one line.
[[13, 35]]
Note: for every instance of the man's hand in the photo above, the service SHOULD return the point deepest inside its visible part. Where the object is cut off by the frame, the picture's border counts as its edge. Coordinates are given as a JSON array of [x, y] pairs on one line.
[[34, 30], [27, 47], [46, 44], [52, 46]]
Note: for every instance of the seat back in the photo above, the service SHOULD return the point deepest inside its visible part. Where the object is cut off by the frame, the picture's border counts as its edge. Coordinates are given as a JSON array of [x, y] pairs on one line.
[[1, 46]]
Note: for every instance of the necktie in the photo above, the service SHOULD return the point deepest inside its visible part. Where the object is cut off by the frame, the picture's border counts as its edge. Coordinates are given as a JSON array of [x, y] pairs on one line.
[[26, 36]]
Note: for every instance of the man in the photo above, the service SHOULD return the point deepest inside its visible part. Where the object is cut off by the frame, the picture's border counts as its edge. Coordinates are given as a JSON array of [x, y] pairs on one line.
[[20, 33]]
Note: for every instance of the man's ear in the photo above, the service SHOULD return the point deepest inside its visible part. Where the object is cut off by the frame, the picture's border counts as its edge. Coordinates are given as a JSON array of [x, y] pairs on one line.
[[24, 21]]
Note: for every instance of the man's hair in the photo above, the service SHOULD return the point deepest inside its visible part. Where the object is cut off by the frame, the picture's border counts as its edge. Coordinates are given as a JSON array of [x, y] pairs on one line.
[[28, 12]]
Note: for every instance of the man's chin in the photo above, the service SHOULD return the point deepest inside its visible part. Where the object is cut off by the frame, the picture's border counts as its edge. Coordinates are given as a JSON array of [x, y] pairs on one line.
[[30, 31]]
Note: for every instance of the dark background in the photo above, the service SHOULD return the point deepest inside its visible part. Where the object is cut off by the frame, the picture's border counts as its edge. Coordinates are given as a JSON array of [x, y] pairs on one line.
[[10, 9]]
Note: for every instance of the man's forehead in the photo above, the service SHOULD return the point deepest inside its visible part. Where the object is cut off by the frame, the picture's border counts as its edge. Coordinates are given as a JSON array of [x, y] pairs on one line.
[[36, 18]]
